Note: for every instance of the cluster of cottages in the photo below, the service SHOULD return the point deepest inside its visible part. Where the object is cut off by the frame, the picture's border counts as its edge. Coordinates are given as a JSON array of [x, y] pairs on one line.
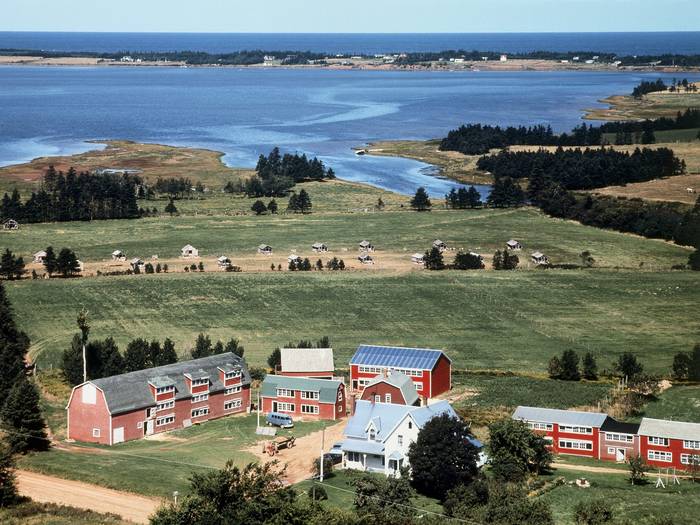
[[537, 257], [390, 395]]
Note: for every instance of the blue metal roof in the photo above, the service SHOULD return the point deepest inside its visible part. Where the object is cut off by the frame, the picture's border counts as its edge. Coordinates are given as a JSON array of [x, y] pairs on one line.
[[396, 357]]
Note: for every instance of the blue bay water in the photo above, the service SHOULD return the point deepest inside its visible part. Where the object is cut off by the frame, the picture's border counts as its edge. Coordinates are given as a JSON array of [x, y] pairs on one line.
[[246, 112]]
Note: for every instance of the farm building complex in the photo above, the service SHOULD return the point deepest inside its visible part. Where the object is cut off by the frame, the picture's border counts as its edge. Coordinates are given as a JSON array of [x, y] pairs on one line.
[[430, 370], [304, 397], [130, 406], [391, 387], [660, 443]]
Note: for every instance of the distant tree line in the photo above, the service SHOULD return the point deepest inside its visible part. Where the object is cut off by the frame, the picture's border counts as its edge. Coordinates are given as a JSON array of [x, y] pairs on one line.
[[176, 188], [648, 86], [74, 196], [690, 118], [463, 198], [577, 169], [276, 174]]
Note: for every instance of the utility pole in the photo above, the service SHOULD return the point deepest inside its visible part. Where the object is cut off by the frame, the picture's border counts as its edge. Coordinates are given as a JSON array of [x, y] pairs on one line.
[[323, 446], [85, 332], [258, 411]]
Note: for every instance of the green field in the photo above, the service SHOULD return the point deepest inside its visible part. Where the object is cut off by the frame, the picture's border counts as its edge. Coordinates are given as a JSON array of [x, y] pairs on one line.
[[175, 456], [680, 403], [31, 513], [500, 320]]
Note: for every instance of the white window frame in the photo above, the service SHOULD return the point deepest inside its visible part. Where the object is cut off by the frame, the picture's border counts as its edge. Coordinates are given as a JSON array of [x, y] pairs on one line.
[[377, 398], [286, 407], [200, 412], [686, 458], [200, 382], [165, 420], [575, 444], [619, 437], [165, 389], [232, 390], [353, 456], [691, 445], [575, 429], [232, 375], [399, 440], [537, 425], [659, 441], [309, 394], [233, 403], [340, 395], [285, 392], [660, 455], [310, 409], [387, 398], [198, 398], [418, 385], [96, 432], [612, 450], [165, 405]]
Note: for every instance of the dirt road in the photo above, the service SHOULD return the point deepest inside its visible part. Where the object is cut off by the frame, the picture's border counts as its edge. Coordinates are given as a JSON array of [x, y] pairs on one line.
[[299, 458], [47, 489]]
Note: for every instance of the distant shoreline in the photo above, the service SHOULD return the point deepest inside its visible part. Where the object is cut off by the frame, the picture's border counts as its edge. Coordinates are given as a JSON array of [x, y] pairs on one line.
[[355, 65]]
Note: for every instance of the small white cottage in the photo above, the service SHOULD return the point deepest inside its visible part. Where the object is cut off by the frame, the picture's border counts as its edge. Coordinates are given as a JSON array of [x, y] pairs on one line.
[[39, 257], [514, 245], [319, 247], [539, 258], [189, 251], [366, 246], [418, 258], [265, 249], [118, 255]]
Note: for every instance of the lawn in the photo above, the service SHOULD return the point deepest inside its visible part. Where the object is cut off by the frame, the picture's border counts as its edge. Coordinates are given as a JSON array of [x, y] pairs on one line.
[[31, 513], [679, 403], [639, 504], [174, 456]]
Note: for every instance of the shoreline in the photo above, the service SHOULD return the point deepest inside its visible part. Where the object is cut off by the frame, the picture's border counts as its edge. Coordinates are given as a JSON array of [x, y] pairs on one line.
[[490, 66]]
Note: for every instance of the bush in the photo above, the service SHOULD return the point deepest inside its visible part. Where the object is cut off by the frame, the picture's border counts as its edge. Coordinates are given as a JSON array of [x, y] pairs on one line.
[[317, 493], [327, 467], [594, 512]]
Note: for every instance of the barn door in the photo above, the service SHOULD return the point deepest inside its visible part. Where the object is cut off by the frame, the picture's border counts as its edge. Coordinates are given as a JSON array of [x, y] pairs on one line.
[[118, 435]]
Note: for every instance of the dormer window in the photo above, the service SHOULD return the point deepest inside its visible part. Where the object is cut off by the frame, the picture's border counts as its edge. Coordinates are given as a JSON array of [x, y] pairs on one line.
[[233, 374], [164, 389], [200, 382], [372, 434]]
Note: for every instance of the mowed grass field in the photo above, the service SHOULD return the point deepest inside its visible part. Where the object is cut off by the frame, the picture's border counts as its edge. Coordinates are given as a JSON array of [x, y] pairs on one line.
[[501, 320], [680, 403]]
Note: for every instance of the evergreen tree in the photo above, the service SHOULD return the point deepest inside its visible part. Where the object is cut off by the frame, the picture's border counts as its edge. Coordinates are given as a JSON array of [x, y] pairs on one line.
[[170, 208], [293, 204], [67, 263], [497, 260], [473, 197], [694, 260], [569, 366], [274, 359], [112, 360], [218, 348], [72, 361], [505, 193], [8, 482], [421, 201], [467, 261], [590, 367], [554, 368], [272, 206], [168, 355], [628, 366], [681, 366], [13, 346], [7, 265], [202, 347], [22, 420], [259, 207], [304, 202], [433, 259], [234, 346], [136, 356], [50, 262]]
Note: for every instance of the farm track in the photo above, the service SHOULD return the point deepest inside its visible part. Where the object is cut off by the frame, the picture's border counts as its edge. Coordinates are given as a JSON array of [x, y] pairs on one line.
[[48, 489]]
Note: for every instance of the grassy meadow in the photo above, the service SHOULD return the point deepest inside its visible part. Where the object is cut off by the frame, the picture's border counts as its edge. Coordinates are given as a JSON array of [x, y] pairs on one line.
[[31, 513], [680, 403]]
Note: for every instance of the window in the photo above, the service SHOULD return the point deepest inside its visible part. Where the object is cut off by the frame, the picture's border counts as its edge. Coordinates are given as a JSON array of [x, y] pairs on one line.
[[95, 432], [152, 411], [285, 392], [164, 389], [353, 456], [686, 459], [372, 434], [410, 425], [387, 398], [692, 445], [575, 444], [340, 395], [548, 439], [139, 424], [657, 455], [377, 398], [419, 386], [232, 375], [199, 412], [233, 403], [165, 420], [363, 382], [285, 407], [400, 440], [653, 440], [539, 426], [624, 438], [309, 409], [309, 395], [611, 450], [198, 398], [165, 405], [232, 390], [575, 430], [200, 382]]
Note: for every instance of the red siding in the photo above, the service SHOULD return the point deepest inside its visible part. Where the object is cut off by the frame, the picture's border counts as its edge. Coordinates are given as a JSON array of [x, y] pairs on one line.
[[84, 417], [424, 379], [630, 449], [675, 447], [333, 411], [556, 435], [442, 376], [382, 389]]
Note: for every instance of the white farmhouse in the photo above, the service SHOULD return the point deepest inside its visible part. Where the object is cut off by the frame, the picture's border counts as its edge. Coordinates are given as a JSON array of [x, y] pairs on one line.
[[378, 435]]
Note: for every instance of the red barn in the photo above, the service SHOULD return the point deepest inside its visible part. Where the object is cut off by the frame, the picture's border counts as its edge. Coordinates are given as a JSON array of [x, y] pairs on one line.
[[129, 406], [391, 387], [669, 443], [568, 432], [430, 370], [307, 362], [303, 397]]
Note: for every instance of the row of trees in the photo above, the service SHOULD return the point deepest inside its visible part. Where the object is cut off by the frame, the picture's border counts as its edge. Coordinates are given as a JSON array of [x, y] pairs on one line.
[[174, 187], [259, 207], [648, 86], [463, 198], [578, 169], [74, 196], [276, 174], [502, 260], [686, 365], [566, 367], [203, 347], [65, 264]]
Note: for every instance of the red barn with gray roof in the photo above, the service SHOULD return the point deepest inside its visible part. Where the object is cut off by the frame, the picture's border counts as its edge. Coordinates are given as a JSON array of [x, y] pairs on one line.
[[130, 406], [429, 369]]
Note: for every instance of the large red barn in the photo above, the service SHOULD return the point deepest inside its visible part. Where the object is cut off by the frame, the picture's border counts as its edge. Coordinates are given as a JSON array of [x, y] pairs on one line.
[[430, 370], [130, 406]]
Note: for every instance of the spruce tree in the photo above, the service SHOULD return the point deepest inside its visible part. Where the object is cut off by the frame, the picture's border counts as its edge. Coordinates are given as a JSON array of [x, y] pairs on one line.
[[421, 201], [8, 483], [497, 260], [13, 346], [112, 360], [168, 354], [171, 208], [235, 347], [7, 265], [590, 367], [136, 356], [202, 347], [218, 348], [21, 418], [50, 263], [304, 202], [72, 361], [569, 366], [433, 259]]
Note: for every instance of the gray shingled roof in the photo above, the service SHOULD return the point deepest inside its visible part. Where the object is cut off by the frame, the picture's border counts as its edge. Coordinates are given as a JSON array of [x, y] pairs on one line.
[[327, 389], [669, 429], [400, 381], [560, 417], [127, 392]]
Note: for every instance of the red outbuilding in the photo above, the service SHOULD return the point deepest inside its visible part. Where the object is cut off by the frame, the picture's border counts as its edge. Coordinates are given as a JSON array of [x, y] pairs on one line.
[[303, 397], [430, 370], [669, 444], [391, 387], [130, 406]]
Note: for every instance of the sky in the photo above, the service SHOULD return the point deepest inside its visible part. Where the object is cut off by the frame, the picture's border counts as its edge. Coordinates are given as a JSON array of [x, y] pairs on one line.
[[356, 16]]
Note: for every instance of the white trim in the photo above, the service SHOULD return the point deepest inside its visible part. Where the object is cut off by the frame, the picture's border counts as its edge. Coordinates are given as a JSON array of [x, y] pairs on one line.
[[657, 441], [576, 444], [660, 455]]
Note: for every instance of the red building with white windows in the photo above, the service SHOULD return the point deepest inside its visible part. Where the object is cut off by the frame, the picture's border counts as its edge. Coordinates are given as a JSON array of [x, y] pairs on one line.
[[660, 443], [430, 370], [129, 406], [391, 387], [303, 397]]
